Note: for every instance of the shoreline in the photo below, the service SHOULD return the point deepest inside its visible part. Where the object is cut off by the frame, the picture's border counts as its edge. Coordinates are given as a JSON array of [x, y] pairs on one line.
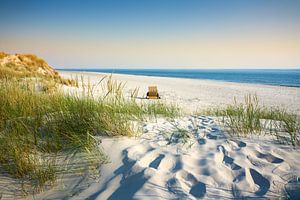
[[202, 79], [200, 94]]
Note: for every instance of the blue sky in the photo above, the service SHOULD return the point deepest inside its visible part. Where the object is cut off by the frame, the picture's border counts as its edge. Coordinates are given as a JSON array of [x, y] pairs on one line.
[[154, 33]]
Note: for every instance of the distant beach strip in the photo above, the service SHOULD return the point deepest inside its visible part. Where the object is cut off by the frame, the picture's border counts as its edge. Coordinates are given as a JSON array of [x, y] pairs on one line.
[[278, 77]]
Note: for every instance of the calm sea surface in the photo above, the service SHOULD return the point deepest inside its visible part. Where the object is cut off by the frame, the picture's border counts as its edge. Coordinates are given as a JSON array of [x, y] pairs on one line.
[[256, 76]]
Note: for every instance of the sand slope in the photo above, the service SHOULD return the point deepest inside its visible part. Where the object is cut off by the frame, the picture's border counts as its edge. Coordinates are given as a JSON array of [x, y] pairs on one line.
[[209, 165]]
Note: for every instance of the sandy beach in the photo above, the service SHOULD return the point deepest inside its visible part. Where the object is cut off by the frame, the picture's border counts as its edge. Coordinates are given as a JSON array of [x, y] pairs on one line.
[[211, 165], [205, 162], [149, 100], [193, 95]]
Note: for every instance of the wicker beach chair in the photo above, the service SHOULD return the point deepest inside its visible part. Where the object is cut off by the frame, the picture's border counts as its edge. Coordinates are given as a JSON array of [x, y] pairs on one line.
[[152, 93]]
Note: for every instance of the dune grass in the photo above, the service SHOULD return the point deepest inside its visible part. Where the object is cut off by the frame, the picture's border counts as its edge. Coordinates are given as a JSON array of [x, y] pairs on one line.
[[20, 66], [36, 125], [251, 118]]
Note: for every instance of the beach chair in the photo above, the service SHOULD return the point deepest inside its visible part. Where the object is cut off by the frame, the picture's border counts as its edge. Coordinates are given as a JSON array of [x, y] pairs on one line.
[[152, 93]]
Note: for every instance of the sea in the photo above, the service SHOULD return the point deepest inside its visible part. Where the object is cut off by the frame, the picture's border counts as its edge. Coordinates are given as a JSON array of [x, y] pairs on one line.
[[278, 77]]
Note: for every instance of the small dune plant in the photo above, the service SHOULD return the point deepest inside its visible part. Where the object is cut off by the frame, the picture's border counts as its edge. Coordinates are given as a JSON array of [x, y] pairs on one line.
[[252, 118]]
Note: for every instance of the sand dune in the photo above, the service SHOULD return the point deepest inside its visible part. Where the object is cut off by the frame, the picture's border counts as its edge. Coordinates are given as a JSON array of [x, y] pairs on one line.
[[209, 165]]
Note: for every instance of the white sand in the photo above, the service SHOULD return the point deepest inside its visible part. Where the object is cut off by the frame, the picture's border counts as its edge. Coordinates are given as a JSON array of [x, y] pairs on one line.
[[202, 94], [209, 164]]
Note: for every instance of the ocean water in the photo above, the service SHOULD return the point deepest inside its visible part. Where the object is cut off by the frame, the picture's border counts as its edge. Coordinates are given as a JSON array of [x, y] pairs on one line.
[[279, 77]]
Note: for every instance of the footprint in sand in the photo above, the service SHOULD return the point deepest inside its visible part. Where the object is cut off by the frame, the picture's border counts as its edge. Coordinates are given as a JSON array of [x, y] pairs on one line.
[[211, 136], [136, 152], [190, 184], [155, 163], [240, 176], [250, 174], [256, 162], [146, 159], [256, 182], [237, 144], [222, 149], [262, 182], [203, 162], [292, 188], [208, 171], [240, 143], [175, 187], [227, 160], [269, 157], [198, 190], [201, 141], [171, 163]]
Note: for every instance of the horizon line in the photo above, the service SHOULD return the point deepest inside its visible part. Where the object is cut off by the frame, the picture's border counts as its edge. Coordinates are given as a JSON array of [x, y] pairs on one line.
[[174, 68]]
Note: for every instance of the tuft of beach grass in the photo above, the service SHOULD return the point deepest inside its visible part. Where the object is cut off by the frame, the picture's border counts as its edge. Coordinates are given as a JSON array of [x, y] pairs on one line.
[[251, 118], [37, 124]]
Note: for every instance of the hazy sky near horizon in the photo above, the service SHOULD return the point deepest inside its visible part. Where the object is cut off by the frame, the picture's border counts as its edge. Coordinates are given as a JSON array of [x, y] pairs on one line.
[[154, 33]]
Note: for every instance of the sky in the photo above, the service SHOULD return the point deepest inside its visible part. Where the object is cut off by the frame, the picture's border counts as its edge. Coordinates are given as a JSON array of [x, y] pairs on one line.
[[154, 33]]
